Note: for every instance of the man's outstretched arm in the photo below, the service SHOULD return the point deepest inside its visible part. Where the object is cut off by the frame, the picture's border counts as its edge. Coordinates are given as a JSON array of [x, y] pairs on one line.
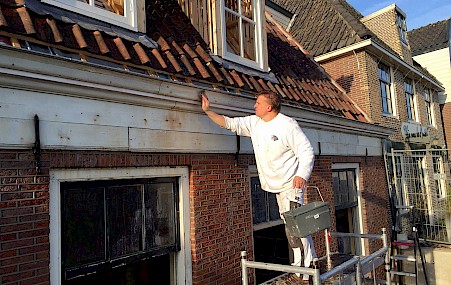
[[216, 118]]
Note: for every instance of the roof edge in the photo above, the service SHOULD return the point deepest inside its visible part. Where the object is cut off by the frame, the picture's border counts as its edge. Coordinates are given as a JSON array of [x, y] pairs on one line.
[[371, 43]]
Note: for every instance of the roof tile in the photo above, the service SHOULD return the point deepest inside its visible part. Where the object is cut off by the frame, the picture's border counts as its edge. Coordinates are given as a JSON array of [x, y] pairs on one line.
[[101, 43], [187, 64], [143, 57], [203, 72], [301, 80], [122, 49], [237, 78], [173, 61]]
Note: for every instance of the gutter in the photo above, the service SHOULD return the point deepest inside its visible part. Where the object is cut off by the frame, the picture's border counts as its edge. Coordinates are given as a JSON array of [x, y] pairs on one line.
[[372, 44]]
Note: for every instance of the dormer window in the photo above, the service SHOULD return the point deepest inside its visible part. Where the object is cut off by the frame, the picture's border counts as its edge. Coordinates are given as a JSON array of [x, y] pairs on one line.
[[117, 12], [402, 27], [242, 32]]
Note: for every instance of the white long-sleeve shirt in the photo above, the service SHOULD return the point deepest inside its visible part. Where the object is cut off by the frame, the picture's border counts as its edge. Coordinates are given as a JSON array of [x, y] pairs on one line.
[[282, 151]]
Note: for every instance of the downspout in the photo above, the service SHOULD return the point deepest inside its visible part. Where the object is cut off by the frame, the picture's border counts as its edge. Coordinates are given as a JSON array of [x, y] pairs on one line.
[[238, 146], [37, 145]]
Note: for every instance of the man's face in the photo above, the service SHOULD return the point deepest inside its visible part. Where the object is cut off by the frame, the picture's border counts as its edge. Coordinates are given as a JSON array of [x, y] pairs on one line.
[[262, 106]]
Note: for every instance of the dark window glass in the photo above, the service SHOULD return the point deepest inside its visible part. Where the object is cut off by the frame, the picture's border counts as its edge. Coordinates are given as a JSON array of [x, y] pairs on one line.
[[264, 204], [83, 226], [109, 224], [385, 84]]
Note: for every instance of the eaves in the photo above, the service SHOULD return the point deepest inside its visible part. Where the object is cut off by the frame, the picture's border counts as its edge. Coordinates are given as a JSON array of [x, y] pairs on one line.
[[373, 47], [28, 71]]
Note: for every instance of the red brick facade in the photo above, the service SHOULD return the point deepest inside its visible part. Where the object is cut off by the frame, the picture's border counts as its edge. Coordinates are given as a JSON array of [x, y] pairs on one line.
[[220, 207], [358, 75], [446, 116]]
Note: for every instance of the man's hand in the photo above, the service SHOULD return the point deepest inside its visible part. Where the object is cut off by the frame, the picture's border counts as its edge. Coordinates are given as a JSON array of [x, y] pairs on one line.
[[299, 182], [205, 102], [218, 119]]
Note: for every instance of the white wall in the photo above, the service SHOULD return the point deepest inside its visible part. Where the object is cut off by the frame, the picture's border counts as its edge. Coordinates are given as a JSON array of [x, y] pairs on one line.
[[438, 63]]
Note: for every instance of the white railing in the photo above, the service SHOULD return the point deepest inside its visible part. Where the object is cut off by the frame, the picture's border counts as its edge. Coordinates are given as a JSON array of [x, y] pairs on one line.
[[362, 265]]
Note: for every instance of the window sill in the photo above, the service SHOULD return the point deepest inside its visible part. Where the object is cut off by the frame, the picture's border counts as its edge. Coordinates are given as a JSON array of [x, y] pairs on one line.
[[389, 116], [266, 225]]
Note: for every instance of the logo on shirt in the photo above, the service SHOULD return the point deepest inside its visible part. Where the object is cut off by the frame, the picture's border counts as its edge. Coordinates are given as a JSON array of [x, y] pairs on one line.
[[274, 138]]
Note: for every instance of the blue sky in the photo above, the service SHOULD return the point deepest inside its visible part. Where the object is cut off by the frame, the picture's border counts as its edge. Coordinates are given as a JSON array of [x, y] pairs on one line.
[[419, 13]]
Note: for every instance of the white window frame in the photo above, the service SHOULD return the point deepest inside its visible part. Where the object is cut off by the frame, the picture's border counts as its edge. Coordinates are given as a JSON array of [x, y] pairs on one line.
[[359, 227], [400, 184], [391, 94], [411, 101], [128, 21], [181, 261], [439, 176], [430, 118], [259, 20]]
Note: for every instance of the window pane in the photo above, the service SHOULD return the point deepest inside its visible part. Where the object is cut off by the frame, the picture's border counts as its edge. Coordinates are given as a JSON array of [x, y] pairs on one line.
[[114, 6], [410, 102], [384, 98], [351, 186], [246, 9], [336, 186], [125, 219], [83, 221], [273, 206], [232, 33], [258, 202], [232, 5], [160, 215], [249, 40]]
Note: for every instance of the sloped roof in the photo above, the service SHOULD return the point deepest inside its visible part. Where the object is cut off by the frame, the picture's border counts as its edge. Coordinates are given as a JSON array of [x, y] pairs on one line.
[[338, 18], [430, 38], [173, 49], [323, 26]]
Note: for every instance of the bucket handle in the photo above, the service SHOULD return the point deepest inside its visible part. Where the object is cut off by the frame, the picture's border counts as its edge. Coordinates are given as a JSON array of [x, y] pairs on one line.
[[317, 189]]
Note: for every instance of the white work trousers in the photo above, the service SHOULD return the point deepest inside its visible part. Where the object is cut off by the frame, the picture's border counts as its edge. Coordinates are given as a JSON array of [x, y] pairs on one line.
[[283, 200]]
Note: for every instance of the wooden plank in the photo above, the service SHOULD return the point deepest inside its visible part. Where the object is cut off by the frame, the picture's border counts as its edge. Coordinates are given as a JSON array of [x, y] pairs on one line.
[[170, 141]]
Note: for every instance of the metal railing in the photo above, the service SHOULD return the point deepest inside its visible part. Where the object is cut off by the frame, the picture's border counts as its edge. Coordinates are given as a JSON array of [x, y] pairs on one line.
[[362, 265], [420, 186]]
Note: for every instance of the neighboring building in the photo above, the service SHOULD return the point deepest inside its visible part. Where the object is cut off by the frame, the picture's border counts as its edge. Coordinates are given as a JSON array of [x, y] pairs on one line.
[[111, 173], [370, 57], [430, 47]]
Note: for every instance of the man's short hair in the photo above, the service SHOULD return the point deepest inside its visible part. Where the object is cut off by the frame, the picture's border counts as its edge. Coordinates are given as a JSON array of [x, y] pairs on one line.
[[274, 99]]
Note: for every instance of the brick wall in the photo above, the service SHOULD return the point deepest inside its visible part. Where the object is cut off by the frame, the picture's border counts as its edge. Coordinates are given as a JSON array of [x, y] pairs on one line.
[[221, 222], [385, 28], [446, 113], [375, 205], [357, 74], [349, 71]]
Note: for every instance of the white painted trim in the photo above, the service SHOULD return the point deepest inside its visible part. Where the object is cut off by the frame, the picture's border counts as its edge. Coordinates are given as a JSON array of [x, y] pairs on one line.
[[383, 10], [259, 24], [356, 166], [128, 21], [371, 43], [394, 99], [183, 264], [346, 49]]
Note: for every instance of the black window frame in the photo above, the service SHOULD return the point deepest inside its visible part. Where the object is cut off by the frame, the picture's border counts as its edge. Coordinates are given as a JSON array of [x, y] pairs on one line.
[[263, 202], [348, 191]]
